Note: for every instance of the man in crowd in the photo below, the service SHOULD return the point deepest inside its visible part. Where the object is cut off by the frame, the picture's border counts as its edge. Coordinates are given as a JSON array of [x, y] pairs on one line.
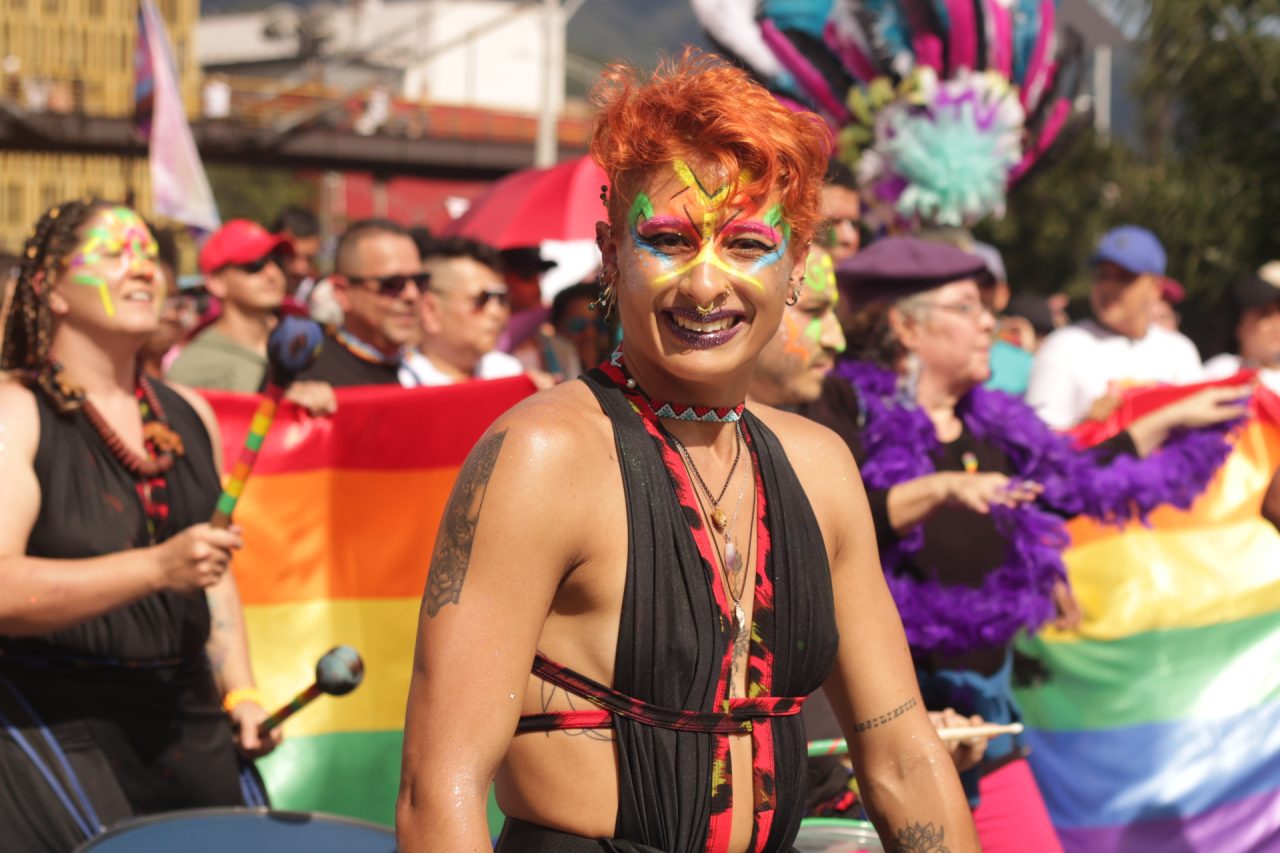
[[242, 266], [464, 311], [841, 208], [1257, 330], [301, 228], [1081, 369], [583, 326], [378, 282]]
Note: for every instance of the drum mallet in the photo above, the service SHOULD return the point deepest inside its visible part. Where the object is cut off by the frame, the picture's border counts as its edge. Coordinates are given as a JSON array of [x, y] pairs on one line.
[[292, 348], [839, 746], [338, 672]]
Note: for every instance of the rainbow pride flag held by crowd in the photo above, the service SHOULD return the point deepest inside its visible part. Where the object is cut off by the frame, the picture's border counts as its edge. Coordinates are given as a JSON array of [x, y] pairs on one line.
[[339, 524], [1158, 727]]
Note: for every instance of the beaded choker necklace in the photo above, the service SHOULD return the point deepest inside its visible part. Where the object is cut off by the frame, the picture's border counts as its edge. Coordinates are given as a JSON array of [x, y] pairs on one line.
[[677, 411], [162, 445]]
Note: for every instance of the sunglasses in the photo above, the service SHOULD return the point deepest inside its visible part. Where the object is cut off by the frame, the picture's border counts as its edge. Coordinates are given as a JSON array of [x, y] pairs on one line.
[[255, 267], [481, 300], [394, 285]]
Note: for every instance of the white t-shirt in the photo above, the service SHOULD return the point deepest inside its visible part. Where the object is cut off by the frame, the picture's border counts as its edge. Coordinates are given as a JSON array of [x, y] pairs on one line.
[[417, 370], [1229, 364], [1084, 361]]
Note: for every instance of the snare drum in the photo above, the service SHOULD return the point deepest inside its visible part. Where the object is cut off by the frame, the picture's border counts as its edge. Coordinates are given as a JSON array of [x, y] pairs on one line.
[[834, 835], [242, 831]]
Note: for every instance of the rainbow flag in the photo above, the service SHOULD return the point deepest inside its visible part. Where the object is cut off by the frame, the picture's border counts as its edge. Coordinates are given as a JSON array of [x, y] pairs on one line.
[[339, 523], [1158, 727]]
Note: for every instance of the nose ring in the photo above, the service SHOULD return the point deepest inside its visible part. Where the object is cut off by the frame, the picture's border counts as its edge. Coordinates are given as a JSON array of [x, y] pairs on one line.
[[703, 311]]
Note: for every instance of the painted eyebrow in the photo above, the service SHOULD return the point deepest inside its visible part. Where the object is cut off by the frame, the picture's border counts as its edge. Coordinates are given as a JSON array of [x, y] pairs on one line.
[[757, 228], [660, 222]]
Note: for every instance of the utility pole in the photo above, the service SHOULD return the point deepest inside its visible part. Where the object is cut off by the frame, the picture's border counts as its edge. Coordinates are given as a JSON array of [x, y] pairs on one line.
[[546, 149], [555, 19]]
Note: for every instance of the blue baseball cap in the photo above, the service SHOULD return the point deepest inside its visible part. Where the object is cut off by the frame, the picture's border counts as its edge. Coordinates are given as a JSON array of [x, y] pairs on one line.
[[1136, 249]]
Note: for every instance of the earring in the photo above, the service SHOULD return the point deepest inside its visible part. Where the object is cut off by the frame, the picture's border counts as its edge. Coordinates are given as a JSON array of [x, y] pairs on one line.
[[909, 380], [608, 298], [604, 195], [794, 296]]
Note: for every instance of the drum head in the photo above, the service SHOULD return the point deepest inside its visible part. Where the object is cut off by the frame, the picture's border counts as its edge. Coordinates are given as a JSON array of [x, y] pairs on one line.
[[243, 831], [830, 835]]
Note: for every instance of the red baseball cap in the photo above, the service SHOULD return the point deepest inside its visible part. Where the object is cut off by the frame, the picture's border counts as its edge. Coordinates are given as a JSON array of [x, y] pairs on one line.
[[240, 241]]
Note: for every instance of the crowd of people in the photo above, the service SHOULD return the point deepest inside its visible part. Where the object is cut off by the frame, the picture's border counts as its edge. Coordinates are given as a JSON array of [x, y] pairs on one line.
[[780, 434]]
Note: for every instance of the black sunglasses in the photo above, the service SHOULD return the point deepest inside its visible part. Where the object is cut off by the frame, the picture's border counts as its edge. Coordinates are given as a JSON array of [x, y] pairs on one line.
[[483, 297], [394, 285], [255, 267]]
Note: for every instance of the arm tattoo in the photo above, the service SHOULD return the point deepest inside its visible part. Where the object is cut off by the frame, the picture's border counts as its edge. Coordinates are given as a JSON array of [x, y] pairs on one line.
[[919, 838], [458, 527], [885, 718]]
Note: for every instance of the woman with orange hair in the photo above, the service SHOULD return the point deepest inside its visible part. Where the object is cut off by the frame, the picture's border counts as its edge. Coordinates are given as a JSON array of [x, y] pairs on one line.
[[680, 571]]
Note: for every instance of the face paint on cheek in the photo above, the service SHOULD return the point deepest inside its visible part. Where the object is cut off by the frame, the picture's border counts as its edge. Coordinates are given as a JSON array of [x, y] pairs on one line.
[[99, 282], [792, 338], [820, 274], [123, 237]]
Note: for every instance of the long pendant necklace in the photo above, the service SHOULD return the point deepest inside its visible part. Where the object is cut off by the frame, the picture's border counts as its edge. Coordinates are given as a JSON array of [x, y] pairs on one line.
[[718, 518], [731, 562]]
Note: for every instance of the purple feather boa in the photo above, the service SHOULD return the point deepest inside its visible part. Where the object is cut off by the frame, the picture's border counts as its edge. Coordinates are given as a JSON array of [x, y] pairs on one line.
[[900, 445]]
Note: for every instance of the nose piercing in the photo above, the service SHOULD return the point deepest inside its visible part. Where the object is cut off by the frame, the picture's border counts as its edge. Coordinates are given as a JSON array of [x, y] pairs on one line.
[[704, 311]]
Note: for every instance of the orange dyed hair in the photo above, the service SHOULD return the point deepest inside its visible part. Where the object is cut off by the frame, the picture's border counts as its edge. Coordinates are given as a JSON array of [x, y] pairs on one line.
[[698, 107]]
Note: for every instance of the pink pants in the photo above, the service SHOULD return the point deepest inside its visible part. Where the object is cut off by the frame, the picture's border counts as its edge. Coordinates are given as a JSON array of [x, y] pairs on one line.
[[1012, 817]]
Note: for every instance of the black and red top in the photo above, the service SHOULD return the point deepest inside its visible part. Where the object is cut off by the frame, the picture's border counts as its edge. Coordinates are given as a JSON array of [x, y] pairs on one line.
[[670, 704]]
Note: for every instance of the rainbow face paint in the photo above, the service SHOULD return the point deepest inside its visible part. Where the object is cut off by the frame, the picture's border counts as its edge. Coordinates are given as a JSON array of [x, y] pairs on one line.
[[687, 236], [818, 300], [116, 245]]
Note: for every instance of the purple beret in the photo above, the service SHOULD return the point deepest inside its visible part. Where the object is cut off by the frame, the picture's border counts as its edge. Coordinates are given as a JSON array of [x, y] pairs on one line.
[[897, 267]]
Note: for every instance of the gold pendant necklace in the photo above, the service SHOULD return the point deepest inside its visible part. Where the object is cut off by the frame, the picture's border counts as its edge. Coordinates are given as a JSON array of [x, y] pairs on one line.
[[718, 518]]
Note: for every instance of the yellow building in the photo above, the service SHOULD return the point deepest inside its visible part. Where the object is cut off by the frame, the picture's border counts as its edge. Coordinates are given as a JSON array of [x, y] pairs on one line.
[[76, 56]]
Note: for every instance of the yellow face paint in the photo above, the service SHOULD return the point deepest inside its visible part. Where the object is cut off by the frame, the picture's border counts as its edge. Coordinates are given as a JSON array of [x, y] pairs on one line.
[[647, 230], [118, 244]]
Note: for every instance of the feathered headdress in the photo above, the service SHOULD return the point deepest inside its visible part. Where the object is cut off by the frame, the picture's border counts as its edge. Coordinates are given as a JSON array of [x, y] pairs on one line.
[[938, 105]]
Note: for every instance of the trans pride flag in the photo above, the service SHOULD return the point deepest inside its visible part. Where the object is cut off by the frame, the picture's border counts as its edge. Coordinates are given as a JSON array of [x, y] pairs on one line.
[[179, 188], [339, 524], [1158, 727]]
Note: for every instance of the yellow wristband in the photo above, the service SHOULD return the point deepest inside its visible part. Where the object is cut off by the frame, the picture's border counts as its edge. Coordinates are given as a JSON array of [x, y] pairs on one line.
[[239, 696]]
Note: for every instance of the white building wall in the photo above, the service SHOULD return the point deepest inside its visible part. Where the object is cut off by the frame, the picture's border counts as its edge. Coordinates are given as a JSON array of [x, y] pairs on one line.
[[482, 53]]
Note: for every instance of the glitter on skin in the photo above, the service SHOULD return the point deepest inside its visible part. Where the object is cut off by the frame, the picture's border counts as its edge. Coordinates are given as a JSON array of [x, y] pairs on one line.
[[123, 236], [773, 228]]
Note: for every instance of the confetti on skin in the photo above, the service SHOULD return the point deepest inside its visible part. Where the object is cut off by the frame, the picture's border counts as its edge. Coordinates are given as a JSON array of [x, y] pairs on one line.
[[122, 236], [773, 229]]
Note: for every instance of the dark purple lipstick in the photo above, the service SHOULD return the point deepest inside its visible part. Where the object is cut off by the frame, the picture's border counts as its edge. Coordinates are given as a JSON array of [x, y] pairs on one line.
[[702, 340]]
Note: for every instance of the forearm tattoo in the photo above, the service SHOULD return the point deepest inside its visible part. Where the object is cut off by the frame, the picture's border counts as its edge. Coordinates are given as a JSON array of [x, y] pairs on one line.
[[885, 718], [919, 838], [458, 527]]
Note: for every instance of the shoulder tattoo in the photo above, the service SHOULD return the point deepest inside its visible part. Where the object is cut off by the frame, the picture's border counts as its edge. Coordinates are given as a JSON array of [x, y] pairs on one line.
[[458, 527]]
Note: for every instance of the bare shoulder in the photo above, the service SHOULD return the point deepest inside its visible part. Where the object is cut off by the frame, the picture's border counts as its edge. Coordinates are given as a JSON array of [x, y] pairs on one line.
[[558, 429], [200, 404], [816, 453], [19, 418]]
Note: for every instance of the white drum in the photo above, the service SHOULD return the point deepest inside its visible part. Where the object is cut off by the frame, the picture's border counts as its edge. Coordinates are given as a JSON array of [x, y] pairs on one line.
[[834, 835]]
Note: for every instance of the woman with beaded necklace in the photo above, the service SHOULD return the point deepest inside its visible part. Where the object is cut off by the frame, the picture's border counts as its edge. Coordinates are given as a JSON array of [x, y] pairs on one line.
[[681, 572], [121, 635]]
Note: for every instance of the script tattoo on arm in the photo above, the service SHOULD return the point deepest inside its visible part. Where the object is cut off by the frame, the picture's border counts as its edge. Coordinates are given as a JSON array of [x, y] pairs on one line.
[[458, 527], [885, 718], [919, 838]]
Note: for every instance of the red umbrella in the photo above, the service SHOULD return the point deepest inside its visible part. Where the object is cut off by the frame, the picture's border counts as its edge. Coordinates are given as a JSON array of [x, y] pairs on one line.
[[532, 205]]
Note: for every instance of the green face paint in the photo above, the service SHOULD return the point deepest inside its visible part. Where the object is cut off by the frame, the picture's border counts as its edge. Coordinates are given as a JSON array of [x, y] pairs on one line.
[[117, 245]]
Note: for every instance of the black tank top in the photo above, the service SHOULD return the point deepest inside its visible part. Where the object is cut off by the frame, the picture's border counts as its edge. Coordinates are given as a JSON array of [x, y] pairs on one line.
[[675, 784], [89, 507]]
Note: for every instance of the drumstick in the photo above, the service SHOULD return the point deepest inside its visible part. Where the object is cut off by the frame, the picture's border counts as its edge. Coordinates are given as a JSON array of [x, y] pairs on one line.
[[839, 746], [988, 730], [338, 672], [291, 349]]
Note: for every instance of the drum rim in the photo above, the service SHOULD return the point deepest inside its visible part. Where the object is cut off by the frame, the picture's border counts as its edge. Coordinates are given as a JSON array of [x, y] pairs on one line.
[[130, 824]]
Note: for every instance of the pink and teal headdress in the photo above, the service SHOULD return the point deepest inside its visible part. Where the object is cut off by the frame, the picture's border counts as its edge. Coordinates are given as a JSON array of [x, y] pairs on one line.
[[939, 106]]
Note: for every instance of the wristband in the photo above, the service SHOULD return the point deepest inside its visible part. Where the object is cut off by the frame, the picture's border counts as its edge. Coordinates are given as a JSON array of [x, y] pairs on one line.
[[239, 696]]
